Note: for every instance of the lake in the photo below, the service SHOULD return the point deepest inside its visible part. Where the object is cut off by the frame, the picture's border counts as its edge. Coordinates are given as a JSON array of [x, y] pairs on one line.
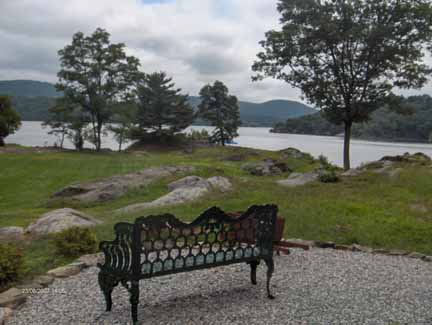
[[32, 134]]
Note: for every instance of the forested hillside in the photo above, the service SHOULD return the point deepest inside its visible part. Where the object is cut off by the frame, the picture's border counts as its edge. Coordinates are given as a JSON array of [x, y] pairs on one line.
[[385, 124], [32, 99]]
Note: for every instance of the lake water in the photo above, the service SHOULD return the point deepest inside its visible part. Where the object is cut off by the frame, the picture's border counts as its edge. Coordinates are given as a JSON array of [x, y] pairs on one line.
[[32, 134]]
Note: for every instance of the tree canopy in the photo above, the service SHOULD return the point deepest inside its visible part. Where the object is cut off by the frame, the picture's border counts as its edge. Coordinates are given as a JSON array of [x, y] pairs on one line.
[[10, 120], [95, 74], [222, 110], [346, 56], [161, 107]]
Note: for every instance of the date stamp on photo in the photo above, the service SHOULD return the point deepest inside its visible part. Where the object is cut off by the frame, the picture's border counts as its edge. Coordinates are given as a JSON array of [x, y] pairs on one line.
[[37, 291]]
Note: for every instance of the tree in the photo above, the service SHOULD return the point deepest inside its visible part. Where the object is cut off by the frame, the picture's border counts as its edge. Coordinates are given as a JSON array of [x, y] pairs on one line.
[[94, 75], [10, 120], [346, 56], [59, 119], [124, 121], [221, 110], [161, 107], [67, 119]]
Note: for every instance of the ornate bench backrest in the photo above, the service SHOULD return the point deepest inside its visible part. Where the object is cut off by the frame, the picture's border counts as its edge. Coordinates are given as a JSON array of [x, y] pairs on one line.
[[163, 244]]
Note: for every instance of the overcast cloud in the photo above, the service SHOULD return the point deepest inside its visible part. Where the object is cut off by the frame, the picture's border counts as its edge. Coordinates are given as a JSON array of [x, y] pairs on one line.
[[195, 41]]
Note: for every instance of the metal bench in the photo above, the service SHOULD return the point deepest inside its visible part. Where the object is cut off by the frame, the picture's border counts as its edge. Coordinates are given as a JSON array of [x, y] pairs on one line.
[[160, 245]]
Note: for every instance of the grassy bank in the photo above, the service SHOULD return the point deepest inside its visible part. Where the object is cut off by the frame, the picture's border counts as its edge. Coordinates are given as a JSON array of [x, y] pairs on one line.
[[369, 209]]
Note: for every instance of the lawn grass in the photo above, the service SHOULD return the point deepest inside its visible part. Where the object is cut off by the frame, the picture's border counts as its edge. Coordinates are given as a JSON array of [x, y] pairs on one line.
[[370, 209]]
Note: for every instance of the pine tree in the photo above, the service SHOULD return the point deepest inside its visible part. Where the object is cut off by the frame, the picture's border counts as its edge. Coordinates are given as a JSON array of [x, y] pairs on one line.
[[221, 110], [162, 109]]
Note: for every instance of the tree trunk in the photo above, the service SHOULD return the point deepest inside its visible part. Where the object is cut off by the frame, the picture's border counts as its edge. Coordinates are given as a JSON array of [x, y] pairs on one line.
[[98, 140], [347, 142], [120, 143], [2, 143], [62, 139]]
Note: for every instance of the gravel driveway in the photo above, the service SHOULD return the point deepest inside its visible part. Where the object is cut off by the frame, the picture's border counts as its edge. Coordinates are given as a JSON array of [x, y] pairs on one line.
[[316, 286]]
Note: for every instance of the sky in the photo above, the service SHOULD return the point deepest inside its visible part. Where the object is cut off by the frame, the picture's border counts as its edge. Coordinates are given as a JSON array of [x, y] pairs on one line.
[[194, 41]]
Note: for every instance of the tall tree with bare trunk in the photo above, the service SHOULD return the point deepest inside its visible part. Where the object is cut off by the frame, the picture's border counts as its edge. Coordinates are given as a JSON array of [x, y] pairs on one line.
[[347, 56]]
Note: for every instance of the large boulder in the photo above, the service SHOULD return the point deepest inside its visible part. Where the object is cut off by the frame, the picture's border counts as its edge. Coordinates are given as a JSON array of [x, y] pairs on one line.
[[299, 179], [11, 234], [188, 189], [59, 220], [116, 186]]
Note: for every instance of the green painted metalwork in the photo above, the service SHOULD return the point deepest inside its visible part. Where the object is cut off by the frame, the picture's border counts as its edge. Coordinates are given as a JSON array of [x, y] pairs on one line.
[[160, 245]]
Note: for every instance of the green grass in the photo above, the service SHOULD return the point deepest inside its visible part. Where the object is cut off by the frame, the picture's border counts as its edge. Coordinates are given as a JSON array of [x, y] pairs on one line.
[[370, 209]]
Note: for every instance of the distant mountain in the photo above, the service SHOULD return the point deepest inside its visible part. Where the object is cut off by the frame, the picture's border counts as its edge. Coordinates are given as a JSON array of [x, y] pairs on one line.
[[28, 88], [33, 98], [268, 113]]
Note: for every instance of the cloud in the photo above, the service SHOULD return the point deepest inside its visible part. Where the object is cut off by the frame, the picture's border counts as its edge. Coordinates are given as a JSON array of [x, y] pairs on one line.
[[194, 41]]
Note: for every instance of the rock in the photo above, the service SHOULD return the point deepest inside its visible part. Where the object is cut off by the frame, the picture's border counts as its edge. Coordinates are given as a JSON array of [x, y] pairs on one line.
[[220, 183], [380, 251], [294, 153], [299, 243], [59, 220], [5, 314], [65, 271], [91, 260], [188, 181], [44, 280], [325, 244], [30, 285], [187, 189], [351, 173], [178, 196], [268, 167], [116, 186], [359, 248], [416, 255], [344, 247], [299, 179], [12, 298], [427, 258], [417, 158], [397, 253], [11, 234], [385, 169]]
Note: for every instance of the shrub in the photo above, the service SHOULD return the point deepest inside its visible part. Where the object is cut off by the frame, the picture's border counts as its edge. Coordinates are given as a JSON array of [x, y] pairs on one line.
[[11, 263], [196, 135], [328, 176], [75, 241]]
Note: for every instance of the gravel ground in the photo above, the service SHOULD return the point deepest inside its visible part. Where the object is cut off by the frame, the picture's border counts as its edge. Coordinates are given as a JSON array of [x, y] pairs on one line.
[[317, 286]]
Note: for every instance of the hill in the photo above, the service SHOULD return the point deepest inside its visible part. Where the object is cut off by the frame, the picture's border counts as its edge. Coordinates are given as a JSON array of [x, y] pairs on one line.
[[385, 124], [33, 98], [28, 88]]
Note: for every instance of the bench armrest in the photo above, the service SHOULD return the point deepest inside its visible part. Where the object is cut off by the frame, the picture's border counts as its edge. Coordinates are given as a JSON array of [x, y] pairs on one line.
[[118, 253]]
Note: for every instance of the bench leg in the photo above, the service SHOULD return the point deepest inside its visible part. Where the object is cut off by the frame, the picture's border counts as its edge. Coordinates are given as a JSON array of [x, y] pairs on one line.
[[107, 283], [270, 269], [134, 300], [253, 266]]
